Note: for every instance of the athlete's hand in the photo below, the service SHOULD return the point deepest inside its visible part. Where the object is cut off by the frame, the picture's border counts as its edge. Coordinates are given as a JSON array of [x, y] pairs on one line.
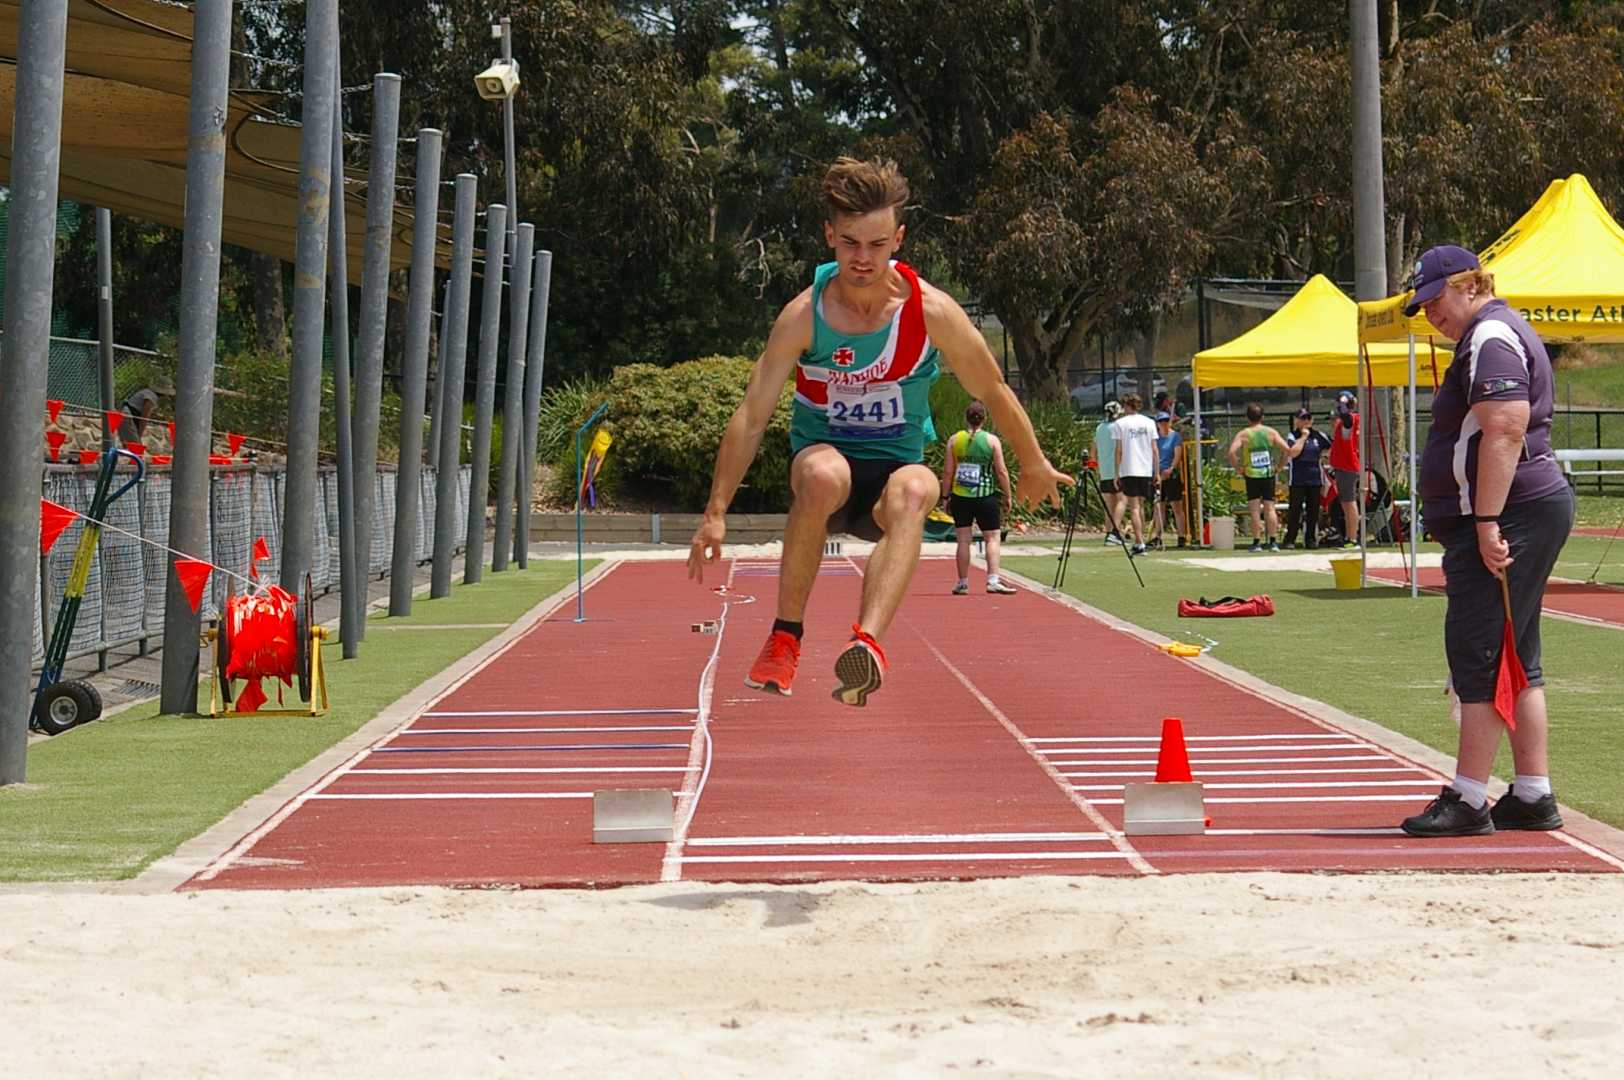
[[1040, 484], [707, 546], [1493, 549]]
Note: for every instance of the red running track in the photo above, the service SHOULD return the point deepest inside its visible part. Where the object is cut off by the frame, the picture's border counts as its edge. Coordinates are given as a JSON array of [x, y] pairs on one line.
[[998, 746], [1591, 602]]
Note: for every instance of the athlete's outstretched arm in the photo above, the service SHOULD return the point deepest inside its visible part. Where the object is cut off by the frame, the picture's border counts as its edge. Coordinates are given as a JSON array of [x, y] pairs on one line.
[[966, 352], [791, 336]]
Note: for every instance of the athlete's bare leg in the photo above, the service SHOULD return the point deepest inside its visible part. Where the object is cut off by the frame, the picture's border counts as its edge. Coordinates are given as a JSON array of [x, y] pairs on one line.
[[820, 479], [908, 496], [962, 555]]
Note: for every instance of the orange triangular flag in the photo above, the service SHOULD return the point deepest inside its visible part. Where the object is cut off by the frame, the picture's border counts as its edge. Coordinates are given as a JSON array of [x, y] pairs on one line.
[[54, 440], [193, 574], [53, 409], [1173, 763], [234, 441], [1511, 679], [53, 518], [115, 418]]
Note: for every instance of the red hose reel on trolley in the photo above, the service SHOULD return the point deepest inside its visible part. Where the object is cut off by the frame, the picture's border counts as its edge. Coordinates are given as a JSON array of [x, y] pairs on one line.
[[268, 634]]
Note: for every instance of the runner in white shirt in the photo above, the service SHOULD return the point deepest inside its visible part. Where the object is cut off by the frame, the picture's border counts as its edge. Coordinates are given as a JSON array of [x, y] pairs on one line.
[[1136, 463]]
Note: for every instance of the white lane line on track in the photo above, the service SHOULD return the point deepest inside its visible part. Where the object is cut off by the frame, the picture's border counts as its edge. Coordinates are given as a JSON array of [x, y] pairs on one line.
[[1293, 798], [1285, 784], [1155, 740], [464, 713], [700, 746], [1118, 841], [916, 856], [246, 844], [1202, 751], [1251, 772], [899, 838], [1380, 830], [527, 772], [537, 730], [1237, 761], [451, 796]]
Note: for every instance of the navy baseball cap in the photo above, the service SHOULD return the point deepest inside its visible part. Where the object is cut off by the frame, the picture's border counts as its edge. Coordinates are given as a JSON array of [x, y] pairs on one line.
[[1432, 273], [1163, 416]]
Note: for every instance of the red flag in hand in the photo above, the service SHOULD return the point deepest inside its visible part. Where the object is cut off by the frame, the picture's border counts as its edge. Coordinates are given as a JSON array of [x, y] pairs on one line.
[[1511, 679], [193, 575], [53, 518]]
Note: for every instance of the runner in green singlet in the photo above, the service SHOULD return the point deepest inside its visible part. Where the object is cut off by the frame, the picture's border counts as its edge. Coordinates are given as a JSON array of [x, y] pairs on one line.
[[974, 473], [1258, 467], [863, 345]]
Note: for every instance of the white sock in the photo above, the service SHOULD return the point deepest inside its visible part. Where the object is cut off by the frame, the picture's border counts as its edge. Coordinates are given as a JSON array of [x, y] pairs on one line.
[[964, 582], [992, 579], [1531, 788], [1472, 792]]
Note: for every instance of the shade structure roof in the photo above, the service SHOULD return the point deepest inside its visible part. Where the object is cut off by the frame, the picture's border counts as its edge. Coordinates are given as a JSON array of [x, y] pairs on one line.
[[124, 132], [1311, 341], [1561, 265]]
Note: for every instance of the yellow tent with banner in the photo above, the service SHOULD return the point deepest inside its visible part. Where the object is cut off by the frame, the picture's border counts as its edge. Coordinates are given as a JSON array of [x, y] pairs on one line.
[[1561, 266], [1310, 341]]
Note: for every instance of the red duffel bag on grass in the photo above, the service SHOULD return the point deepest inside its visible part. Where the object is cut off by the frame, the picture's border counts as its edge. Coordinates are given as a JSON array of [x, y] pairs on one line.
[[1225, 607]]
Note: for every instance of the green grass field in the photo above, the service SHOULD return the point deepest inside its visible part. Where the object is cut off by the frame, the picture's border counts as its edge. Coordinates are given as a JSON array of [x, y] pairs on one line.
[[102, 802], [1375, 653]]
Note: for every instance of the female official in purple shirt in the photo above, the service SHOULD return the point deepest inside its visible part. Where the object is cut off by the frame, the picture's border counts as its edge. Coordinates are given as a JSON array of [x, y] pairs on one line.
[[1493, 494]]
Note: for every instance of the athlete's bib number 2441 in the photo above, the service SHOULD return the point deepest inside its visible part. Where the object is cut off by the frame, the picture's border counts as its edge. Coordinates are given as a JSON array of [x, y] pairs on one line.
[[873, 410]]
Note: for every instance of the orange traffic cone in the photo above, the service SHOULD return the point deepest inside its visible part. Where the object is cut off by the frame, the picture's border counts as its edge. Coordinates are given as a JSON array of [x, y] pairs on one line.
[[1173, 762]]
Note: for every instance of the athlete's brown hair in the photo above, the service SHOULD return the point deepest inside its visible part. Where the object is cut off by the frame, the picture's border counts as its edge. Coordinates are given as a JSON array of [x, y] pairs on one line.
[[861, 187]]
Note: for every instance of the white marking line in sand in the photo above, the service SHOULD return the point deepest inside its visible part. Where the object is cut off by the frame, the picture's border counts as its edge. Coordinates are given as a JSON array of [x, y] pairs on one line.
[[1118, 840], [700, 746], [930, 856], [537, 730], [899, 838], [1285, 784], [246, 844], [560, 712]]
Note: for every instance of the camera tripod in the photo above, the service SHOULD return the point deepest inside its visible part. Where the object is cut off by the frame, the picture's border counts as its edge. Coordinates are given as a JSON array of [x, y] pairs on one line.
[[1086, 479]]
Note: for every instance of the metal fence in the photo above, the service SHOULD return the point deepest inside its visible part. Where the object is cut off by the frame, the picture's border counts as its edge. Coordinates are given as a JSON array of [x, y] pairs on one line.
[[124, 597]]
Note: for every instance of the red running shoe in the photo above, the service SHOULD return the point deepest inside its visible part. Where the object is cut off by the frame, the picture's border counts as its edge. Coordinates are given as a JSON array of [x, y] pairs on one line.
[[775, 665], [860, 669]]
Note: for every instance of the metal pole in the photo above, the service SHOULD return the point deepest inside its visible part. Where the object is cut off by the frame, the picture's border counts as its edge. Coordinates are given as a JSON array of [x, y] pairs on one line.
[[535, 361], [194, 375], [490, 331], [513, 394], [104, 316], [454, 359], [1200, 503], [375, 319], [338, 311], [36, 150], [309, 289], [507, 136], [419, 299], [1369, 213], [439, 375], [1415, 502]]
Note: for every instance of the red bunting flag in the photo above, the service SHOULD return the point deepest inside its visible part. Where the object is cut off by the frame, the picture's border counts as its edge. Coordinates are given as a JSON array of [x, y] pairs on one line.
[[136, 448], [53, 409], [262, 550], [219, 459], [234, 441], [53, 518], [88, 457], [161, 459], [193, 574], [115, 419], [1511, 680], [171, 433], [54, 440]]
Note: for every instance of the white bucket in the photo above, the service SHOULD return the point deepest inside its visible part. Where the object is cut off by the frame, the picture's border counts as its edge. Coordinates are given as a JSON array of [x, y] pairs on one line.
[[1223, 533]]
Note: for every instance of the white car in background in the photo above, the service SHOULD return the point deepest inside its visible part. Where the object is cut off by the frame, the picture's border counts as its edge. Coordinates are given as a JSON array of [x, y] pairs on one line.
[[1096, 390]]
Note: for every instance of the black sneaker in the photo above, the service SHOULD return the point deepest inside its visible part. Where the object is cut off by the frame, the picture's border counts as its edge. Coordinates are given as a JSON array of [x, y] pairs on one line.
[[1274, 546], [1137, 549], [1449, 815], [1541, 815], [1257, 545]]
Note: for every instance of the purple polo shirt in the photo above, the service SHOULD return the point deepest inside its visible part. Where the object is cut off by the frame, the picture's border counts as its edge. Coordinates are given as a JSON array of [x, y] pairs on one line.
[[1498, 358]]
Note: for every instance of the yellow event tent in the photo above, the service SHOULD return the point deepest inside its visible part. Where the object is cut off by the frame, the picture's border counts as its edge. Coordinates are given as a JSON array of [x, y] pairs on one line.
[[1561, 266]]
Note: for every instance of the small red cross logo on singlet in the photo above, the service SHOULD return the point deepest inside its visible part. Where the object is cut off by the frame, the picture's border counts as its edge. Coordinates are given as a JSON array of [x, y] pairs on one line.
[[844, 356]]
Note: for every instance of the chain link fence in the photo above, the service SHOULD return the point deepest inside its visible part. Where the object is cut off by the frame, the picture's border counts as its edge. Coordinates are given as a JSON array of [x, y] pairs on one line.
[[124, 597]]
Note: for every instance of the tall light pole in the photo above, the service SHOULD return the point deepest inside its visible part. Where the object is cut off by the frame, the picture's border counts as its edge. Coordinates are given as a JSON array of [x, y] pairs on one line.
[[500, 82]]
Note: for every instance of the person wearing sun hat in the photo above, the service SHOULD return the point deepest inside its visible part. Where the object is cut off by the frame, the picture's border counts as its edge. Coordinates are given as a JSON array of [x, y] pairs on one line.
[[1492, 493]]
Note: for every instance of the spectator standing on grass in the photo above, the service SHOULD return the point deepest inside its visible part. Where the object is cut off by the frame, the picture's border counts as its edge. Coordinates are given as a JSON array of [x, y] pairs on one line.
[[1492, 493], [1345, 463], [1135, 436], [1259, 442], [1105, 455], [1306, 445], [977, 482], [1170, 471]]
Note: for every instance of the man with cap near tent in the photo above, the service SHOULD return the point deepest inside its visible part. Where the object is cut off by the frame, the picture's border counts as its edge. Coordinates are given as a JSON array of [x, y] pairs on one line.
[[1492, 493], [1105, 455], [1345, 463], [1306, 445]]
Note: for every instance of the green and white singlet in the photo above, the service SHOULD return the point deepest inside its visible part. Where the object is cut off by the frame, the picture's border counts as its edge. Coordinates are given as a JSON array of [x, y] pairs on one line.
[[972, 466], [867, 395]]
